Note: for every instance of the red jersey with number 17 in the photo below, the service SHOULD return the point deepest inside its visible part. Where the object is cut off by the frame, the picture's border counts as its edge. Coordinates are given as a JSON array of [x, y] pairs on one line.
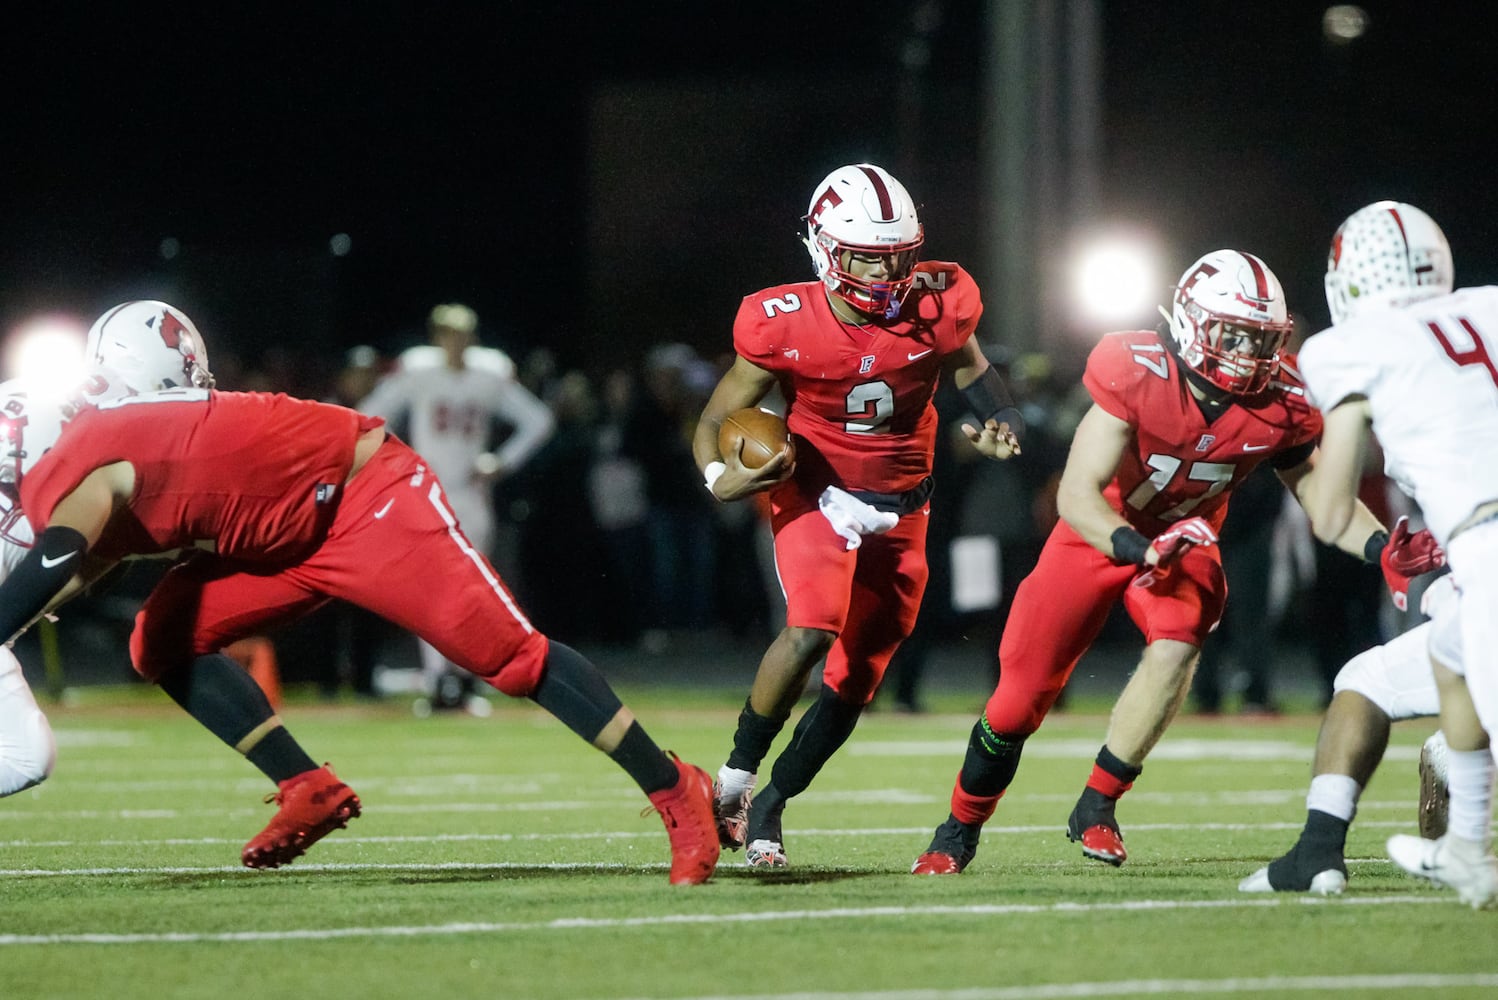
[[1179, 465], [256, 475], [859, 396]]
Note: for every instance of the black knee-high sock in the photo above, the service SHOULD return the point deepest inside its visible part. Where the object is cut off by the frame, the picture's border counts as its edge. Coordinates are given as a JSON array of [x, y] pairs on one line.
[[825, 727], [216, 690], [752, 738], [991, 760], [572, 689]]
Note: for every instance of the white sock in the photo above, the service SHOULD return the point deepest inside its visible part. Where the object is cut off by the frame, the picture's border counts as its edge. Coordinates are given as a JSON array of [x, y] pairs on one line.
[[1335, 794], [733, 782], [1469, 778]]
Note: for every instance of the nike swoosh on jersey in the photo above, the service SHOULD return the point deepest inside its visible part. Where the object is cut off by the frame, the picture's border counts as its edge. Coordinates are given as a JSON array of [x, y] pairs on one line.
[[385, 509], [1256, 447], [922, 354], [48, 562]]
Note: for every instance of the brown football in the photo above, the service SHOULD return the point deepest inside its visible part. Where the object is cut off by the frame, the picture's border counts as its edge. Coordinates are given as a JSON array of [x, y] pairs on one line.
[[763, 433]]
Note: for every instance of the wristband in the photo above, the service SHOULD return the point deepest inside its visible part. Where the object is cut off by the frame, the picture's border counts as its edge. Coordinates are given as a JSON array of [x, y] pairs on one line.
[[1129, 546], [1373, 548], [711, 473]]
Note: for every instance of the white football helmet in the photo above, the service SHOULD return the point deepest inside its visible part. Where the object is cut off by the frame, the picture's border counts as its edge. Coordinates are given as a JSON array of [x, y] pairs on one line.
[[152, 345], [1230, 321], [1386, 254], [30, 424], [861, 209]]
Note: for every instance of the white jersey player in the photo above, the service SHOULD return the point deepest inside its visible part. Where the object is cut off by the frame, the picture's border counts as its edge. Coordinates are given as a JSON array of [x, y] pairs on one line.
[[1415, 362], [27, 749], [135, 347], [448, 393]]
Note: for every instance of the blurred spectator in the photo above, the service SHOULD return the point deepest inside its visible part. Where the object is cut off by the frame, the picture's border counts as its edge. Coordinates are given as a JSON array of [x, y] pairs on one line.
[[680, 521], [447, 394], [1245, 639], [559, 549], [616, 491]]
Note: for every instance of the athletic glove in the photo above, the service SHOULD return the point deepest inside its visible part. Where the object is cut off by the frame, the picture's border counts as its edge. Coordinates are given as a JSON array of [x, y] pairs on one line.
[[1408, 555], [1173, 543]]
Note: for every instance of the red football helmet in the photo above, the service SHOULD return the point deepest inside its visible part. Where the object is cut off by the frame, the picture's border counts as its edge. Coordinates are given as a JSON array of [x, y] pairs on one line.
[[1229, 321], [861, 209]]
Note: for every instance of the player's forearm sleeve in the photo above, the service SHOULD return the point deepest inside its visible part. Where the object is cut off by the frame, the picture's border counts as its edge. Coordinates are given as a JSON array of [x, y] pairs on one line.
[[989, 399], [47, 568]]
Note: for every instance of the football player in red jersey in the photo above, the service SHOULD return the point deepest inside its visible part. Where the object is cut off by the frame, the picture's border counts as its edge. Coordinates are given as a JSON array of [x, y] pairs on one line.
[[294, 503], [1177, 421], [856, 354]]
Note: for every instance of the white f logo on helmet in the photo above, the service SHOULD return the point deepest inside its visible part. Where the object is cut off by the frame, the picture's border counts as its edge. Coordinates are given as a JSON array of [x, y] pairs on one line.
[[861, 209], [1229, 321]]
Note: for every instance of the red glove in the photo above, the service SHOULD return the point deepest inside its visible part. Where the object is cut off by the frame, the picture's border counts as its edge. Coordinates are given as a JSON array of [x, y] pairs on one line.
[[1173, 543], [1408, 555]]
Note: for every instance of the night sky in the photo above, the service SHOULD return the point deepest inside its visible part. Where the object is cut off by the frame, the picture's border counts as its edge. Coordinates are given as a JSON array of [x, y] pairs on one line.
[[601, 177]]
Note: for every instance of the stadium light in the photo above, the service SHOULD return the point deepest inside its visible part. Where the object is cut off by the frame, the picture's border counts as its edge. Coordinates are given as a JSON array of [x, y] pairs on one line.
[[1116, 280], [46, 351]]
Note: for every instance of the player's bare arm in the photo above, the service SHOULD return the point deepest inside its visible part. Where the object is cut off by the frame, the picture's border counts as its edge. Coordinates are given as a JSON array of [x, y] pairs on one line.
[[745, 384], [1096, 450], [1326, 484], [984, 389]]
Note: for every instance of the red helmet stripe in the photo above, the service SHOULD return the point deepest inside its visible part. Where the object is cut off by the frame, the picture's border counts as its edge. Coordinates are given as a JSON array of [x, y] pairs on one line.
[[886, 202], [1261, 281]]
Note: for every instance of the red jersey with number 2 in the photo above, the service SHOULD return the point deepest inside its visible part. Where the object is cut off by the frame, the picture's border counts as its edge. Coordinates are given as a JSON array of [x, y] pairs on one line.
[[859, 396], [1180, 465]]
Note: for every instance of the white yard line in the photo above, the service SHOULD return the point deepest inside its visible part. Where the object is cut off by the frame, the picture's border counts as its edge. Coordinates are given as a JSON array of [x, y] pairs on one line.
[[1159, 987], [889, 831], [676, 919]]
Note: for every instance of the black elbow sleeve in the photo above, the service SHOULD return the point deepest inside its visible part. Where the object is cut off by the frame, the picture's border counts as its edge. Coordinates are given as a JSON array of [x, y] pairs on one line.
[[45, 570]]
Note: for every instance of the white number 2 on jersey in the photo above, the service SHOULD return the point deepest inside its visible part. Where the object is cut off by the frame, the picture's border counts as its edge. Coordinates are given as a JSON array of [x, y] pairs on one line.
[[872, 403]]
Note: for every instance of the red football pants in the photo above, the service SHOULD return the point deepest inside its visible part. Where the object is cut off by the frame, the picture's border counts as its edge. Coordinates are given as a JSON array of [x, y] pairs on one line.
[[1060, 608], [394, 548], [870, 596]]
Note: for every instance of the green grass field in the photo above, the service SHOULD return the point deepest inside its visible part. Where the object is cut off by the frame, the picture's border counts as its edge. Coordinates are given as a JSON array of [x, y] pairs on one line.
[[503, 858]]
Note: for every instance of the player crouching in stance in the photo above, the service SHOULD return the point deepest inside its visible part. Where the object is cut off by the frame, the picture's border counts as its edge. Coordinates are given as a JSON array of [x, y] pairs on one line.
[[856, 355], [1178, 419], [292, 503]]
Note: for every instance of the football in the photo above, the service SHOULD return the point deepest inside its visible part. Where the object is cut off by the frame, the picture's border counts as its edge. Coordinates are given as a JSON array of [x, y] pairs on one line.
[[763, 433]]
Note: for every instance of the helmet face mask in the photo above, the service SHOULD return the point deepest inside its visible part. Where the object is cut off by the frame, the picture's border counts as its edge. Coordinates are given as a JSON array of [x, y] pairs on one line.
[[864, 237], [1386, 254], [151, 345], [1230, 322]]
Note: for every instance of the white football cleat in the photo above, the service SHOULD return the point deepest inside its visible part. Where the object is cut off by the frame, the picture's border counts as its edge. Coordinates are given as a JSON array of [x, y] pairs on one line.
[[731, 793], [1464, 865], [765, 854], [1327, 883]]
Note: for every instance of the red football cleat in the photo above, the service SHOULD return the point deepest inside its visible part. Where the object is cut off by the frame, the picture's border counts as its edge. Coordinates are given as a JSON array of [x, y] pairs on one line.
[[312, 805], [952, 849], [687, 810], [1102, 843], [935, 863]]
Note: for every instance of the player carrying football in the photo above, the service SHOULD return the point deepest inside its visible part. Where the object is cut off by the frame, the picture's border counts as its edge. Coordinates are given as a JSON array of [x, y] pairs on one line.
[[856, 354]]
